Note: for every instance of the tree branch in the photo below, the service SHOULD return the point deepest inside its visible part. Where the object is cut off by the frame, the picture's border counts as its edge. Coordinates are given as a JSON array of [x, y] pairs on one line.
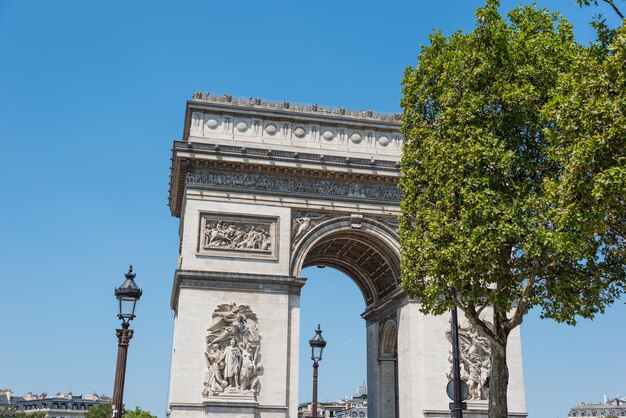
[[522, 306], [472, 315], [612, 3]]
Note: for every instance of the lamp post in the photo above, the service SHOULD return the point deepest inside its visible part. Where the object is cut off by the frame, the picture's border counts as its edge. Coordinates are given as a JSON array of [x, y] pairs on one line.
[[317, 344], [127, 295], [458, 396]]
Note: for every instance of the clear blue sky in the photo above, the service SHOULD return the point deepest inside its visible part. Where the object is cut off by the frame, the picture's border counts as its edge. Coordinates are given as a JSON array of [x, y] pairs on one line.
[[92, 95]]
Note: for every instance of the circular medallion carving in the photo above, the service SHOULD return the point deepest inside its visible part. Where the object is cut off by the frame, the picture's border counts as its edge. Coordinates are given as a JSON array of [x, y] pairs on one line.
[[299, 132], [271, 129], [212, 123], [356, 138], [383, 141], [242, 126], [327, 135]]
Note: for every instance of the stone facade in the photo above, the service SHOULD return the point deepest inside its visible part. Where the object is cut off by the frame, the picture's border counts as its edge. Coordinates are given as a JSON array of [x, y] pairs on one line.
[[262, 191]]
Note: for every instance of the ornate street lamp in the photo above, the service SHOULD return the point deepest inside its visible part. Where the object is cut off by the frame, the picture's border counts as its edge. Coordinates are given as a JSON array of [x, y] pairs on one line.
[[317, 344], [127, 295]]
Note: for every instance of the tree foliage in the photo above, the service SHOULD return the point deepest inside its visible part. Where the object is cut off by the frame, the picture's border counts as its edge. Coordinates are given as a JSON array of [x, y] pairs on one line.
[[105, 410], [513, 175], [102, 410], [137, 413]]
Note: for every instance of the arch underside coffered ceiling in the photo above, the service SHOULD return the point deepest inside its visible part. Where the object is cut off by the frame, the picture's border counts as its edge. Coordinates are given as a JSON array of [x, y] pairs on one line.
[[371, 261]]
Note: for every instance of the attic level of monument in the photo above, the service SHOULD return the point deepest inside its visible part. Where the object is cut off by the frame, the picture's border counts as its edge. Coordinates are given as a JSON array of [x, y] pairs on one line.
[[307, 128], [291, 146]]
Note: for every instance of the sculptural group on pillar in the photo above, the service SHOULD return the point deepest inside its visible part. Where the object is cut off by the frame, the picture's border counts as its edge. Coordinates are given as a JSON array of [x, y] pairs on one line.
[[475, 362], [232, 352]]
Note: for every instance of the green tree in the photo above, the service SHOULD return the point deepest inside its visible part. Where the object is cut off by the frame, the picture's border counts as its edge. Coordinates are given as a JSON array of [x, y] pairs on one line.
[[105, 410], [488, 208], [101, 410], [138, 413]]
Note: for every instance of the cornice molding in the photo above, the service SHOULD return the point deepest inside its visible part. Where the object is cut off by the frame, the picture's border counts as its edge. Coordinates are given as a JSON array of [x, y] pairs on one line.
[[287, 107]]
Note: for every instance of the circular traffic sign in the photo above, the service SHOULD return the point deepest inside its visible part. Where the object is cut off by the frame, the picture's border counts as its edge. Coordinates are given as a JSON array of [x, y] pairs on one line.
[[450, 390]]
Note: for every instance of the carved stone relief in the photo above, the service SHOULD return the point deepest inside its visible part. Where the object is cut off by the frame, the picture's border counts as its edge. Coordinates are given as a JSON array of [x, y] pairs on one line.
[[303, 222], [234, 235], [300, 132], [279, 185], [389, 221], [475, 353], [232, 353]]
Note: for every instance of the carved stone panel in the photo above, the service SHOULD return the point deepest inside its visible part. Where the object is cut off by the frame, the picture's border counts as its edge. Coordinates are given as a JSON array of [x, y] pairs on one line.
[[238, 236], [232, 355], [303, 221], [475, 353]]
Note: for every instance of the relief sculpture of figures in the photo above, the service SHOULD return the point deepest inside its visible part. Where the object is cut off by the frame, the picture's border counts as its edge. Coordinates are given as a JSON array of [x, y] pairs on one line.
[[475, 362], [303, 222], [232, 352], [238, 236]]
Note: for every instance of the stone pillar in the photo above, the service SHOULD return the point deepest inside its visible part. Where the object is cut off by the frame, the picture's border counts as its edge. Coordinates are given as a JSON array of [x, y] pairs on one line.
[[374, 405], [233, 284], [422, 362]]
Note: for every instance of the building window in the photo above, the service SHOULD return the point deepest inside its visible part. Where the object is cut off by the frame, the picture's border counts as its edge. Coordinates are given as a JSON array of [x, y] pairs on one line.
[[594, 413]]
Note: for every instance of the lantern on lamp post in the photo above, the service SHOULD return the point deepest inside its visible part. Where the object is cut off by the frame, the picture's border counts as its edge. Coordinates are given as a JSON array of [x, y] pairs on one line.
[[317, 344], [127, 295]]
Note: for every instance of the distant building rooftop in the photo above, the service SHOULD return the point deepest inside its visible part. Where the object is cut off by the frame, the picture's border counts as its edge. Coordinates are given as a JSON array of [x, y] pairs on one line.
[[615, 407]]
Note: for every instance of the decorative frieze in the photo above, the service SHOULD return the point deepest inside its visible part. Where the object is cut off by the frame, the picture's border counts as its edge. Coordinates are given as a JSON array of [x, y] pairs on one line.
[[232, 353], [299, 186], [475, 359], [237, 235]]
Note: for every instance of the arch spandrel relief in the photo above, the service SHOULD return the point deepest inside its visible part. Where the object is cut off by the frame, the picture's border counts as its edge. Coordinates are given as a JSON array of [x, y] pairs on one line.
[[232, 354], [304, 221]]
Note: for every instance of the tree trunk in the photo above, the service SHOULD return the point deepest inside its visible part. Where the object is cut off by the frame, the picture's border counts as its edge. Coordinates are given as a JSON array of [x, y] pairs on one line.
[[499, 382]]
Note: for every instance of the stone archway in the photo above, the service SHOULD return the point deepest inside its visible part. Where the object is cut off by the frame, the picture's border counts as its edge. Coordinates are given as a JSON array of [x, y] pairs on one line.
[[367, 251], [262, 191], [364, 249]]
